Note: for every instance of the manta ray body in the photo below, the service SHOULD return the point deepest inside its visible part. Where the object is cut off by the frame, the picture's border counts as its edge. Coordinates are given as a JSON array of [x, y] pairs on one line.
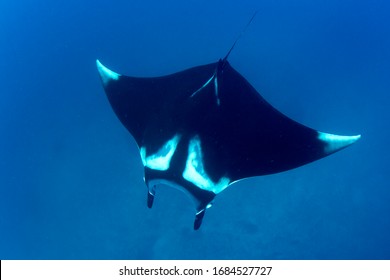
[[205, 128]]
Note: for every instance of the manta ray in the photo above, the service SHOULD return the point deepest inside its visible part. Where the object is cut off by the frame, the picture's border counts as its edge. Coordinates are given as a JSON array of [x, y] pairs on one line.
[[205, 128]]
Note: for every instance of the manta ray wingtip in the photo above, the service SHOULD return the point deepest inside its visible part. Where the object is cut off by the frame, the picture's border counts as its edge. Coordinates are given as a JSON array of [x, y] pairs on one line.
[[106, 74], [334, 143]]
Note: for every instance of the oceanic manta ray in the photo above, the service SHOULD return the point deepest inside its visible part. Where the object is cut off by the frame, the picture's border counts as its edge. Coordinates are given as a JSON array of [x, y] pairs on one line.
[[205, 128]]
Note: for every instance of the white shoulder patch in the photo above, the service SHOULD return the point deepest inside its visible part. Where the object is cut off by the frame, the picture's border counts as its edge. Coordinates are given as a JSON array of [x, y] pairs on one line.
[[162, 159], [195, 173]]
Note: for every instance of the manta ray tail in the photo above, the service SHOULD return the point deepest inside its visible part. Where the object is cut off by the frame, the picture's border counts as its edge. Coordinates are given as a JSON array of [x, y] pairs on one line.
[[239, 36]]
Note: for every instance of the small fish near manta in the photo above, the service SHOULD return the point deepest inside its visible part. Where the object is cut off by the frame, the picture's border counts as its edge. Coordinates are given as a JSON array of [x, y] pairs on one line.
[[205, 128]]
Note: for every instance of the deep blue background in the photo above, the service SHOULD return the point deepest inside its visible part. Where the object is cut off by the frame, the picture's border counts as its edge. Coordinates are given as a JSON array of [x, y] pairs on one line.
[[71, 177]]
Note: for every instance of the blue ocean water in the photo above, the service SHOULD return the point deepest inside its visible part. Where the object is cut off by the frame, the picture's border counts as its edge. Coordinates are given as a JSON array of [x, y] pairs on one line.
[[71, 182]]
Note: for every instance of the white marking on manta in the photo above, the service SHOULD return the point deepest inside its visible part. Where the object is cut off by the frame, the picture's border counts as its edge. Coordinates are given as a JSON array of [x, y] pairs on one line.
[[202, 87], [336, 142], [162, 159], [106, 73], [216, 89], [194, 171], [214, 76]]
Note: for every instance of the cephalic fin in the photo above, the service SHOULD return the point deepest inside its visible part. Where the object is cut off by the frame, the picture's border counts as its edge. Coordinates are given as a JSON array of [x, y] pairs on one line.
[[198, 219]]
